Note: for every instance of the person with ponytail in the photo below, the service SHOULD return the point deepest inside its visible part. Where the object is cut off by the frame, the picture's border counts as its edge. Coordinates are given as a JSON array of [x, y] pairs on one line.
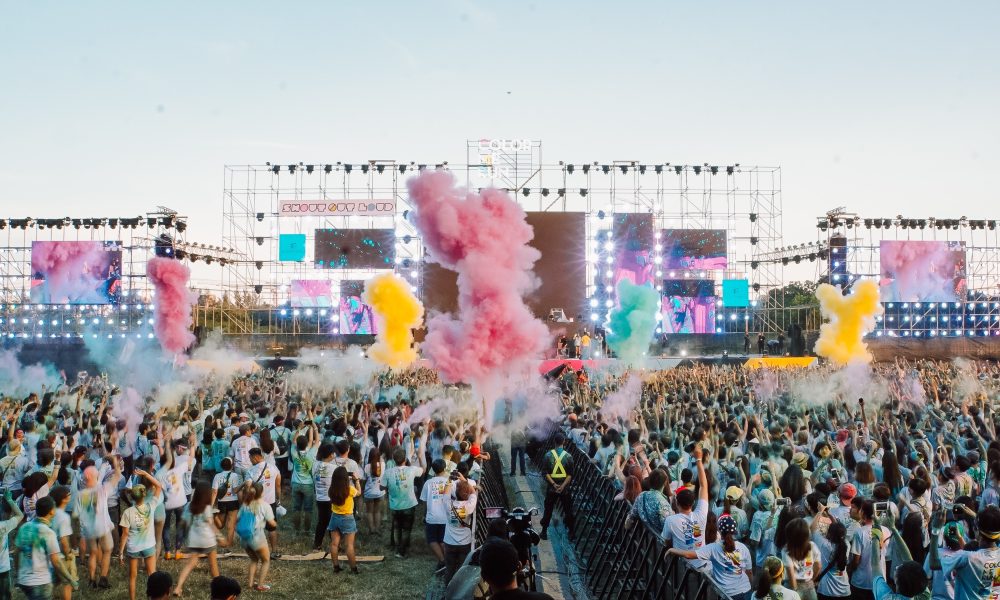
[[833, 581], [769, 581], [730, 563], [138, 530]]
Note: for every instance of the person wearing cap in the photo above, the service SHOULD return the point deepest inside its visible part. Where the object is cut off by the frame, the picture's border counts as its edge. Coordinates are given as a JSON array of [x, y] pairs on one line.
[[977, 572], [499, 564], [842, 512], [225, 588], [729, 561], [732, 505], [158, 586]]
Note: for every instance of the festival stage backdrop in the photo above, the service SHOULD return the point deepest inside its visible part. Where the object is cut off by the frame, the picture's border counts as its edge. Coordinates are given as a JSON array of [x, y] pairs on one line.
[[80, 272], [562, 269], [922, 271], [356, 317], [355, 248], [694, 249], [688, 306], [633, 239], [311, 293]]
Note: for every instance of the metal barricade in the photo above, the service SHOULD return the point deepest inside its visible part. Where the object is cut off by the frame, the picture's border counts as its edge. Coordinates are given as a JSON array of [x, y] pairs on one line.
[[623, 563], [491, 489]]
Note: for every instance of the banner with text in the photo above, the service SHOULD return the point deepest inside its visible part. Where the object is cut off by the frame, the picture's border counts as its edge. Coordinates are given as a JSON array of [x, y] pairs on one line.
[[336, 208]]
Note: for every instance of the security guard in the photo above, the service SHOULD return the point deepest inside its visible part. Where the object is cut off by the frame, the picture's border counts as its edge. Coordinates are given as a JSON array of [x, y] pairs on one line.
[[557, 466]]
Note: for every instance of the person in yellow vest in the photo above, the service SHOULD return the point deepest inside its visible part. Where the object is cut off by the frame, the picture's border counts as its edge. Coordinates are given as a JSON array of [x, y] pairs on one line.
[[585, 343], [557, 467]]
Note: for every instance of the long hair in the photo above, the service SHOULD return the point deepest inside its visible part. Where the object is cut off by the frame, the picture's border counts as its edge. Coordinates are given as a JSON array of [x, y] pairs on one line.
[[890, 472], [633, 487], [793, 483], [375, 462], [913, 535], [266, 442], [797, 542], [786, 516], [201, 497], [771, 572], [863, 472], [837, 536], [340, 486]]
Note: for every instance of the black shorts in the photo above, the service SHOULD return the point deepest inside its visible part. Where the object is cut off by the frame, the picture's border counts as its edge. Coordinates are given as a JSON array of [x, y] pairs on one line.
[[229, 506]]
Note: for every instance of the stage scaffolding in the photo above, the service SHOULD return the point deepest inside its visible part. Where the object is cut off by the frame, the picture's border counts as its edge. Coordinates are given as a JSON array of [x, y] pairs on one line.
[[975, 313], [745, 201], [137, 237]]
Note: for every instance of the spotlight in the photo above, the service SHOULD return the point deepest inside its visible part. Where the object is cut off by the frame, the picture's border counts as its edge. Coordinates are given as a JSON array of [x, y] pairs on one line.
[[730, 169], [291, 168], [364, 168], [586, 169], [260, 217], [151, 222], [754, 264], [605, 169], [697, 170], [260, 241], [258, 288], [562, 191], [526, 192], [868, 223], [624, 169], [380, 169], [259, 264], [714, 169], [76, 223], [327, 168], [753, 217], [347, 168], [569, 169], [275, 169], [309, 169], [402, 168], [658, 169], [583, 192], [753, 241], [600, 213], [545, 192], [642, 169]]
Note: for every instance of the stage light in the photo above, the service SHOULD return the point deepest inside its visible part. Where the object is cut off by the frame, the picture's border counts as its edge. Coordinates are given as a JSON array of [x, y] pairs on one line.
[[291, 168], [260, 217], [697, 169], [659, 273], [309, 169], [600, 213], [283, 312], [322, 312], [526, 192], [624, 169], [347, 168], [593, 302], [260, 241], [609, 289], [309, 312], [413, 274], [610, 260], [583, 192], [658, 259], [258, 288], [562, 192], [605, 169], [609, 245], [569, 169], [275, 169], [586, 169]]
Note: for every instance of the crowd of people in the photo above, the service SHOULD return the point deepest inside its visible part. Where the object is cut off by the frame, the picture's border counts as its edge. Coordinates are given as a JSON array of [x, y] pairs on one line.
[[93, 476], [781, 486]]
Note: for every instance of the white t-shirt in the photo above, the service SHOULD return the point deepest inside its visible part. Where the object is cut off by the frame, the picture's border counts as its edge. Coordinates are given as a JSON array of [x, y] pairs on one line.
[[241, 451], [861, 545], [235, 481], [729, 569], [265, 474], [92, 510], [687, 531], [322, 476], [436, 493], [172, 482], [61, 524], [201, 532], [805, 568], [977, 574], [458, 530], [373, 485], [35, 542], [139, 520], [835, 582], [5, 528]]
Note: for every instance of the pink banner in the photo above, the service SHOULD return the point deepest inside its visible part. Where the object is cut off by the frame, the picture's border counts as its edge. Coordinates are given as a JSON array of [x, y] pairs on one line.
[[336, 208]]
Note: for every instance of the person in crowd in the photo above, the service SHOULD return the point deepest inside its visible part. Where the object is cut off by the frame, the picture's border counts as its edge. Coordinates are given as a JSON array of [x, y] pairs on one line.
[[159, 585], [39, 555], [303, 455], [344, 487], [499, 564], [202, 535], [12, 517], [138, 530], [458, 532], [95, 522], [254, 517], [225, 588], [769, 586], [557, 466], [436, 495], [399, 480], [730, 563]]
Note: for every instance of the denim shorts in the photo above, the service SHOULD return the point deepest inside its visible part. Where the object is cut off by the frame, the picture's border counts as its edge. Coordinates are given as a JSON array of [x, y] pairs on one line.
[[345, 524], [141, 553], [37, 592]]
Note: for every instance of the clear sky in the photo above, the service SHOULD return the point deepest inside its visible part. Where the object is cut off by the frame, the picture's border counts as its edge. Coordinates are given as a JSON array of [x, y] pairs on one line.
[[115, 107]]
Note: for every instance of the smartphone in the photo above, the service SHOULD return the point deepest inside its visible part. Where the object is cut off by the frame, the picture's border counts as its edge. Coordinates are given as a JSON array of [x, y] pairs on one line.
[[493, 512], [881, 508], [783, 502]]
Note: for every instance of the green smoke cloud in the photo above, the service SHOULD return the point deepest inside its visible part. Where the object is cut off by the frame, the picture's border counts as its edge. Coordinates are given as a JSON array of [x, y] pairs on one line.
[[633, 321]]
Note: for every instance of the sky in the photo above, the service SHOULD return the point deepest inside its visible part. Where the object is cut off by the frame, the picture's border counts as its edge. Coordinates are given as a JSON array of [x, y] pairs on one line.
[[112, 108]]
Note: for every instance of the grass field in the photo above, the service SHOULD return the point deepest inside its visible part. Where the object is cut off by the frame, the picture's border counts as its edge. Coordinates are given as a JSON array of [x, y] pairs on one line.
[[393, 578]]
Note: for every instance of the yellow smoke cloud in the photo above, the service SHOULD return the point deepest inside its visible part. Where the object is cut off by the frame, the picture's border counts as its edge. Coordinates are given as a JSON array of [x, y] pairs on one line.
[[397, 313], [850, 318]]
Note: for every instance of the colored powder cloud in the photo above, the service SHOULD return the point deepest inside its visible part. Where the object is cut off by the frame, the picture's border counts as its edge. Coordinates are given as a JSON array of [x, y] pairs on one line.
[[850, 317], [484, 238], [397, 312], [918, 271], [633, 321], [172, 304], [72, 270]]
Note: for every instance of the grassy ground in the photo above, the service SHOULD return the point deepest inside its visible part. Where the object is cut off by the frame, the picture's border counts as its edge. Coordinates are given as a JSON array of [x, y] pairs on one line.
[[299, 580]]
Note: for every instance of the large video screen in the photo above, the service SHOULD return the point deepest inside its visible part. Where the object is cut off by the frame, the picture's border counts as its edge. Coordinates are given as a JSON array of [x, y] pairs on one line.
[[356, 317], [922, 271], [311, 293], [633, 248], [355, 248], [688, 306], [86, 272], [694, 249]]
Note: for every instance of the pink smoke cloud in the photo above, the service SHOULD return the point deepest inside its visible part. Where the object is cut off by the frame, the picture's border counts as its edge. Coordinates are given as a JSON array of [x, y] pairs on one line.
[[172, 304], [484, 238], [917, 271]]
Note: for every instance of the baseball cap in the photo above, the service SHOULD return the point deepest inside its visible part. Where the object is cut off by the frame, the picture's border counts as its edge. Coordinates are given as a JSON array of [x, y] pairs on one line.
[[847, 491], [734, 493], [474, 451]]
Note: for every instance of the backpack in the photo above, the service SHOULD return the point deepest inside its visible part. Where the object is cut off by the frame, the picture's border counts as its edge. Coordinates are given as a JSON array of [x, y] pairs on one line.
[[281, 441], [223, 489], [246, 524]]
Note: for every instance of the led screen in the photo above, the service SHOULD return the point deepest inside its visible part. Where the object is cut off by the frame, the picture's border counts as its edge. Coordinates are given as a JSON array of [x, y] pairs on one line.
[[922, 271], [735, 293], [688, 306], [355, 248], [698, 249], [356, 317], [292, 247], [76, 272], [311, 293], [633, 248]]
